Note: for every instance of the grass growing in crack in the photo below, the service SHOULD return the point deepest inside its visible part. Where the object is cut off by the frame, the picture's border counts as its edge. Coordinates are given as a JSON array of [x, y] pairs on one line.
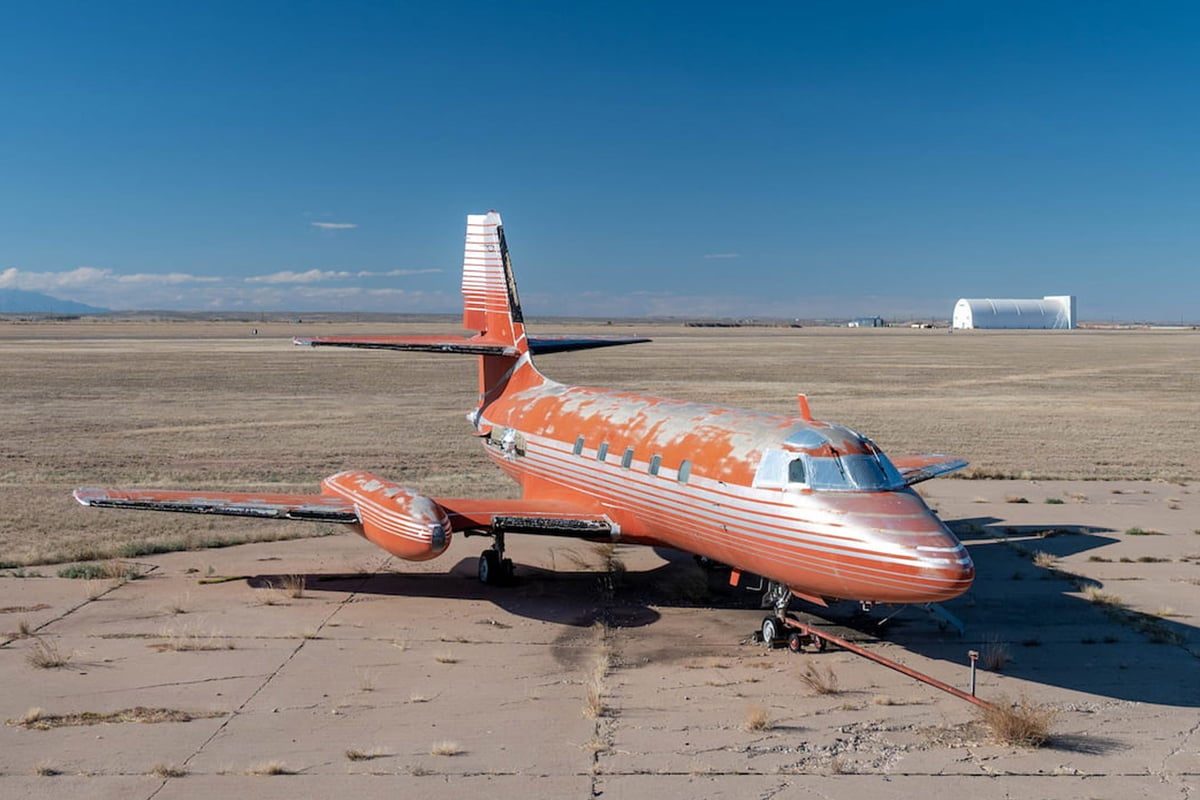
[[594, 705], [179, 605], [168, 771], [190, 640], [996, 656], [36, 719], [1023, 723], [758, 718], [44, 654], [1094, 594], [444, 748], [270, 768], [366, 755], [445, 657], [820, 682], [293, 586], [1044, 560], [109, 570], [46, 770]]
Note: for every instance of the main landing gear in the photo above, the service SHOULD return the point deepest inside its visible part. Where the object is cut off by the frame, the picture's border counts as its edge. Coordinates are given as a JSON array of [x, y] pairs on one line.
[[781, 628], [494, 568]]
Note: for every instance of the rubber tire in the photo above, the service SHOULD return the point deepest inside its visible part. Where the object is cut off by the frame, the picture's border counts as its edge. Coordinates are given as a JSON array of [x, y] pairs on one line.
[[795, 642], [770, 631], [490, 571], [507, 569], [819, 643]]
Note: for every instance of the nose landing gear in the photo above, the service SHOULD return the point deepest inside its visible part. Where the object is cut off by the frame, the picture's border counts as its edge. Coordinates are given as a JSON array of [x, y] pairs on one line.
[[781, 628]]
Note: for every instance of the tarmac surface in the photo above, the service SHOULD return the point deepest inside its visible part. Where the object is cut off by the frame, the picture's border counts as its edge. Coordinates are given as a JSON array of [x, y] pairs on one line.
[[590, 677]]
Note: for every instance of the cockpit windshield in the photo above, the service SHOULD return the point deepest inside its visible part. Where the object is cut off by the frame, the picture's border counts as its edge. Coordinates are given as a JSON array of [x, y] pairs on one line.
[[851, 472]]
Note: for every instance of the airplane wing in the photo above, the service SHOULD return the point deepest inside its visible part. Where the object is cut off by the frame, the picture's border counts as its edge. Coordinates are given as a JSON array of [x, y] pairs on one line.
[[915, 469], [472, 346], [540, 517], [307, 507]]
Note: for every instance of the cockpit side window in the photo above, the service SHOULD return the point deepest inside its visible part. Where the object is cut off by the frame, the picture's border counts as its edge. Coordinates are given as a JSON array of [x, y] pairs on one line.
[[796, 473]]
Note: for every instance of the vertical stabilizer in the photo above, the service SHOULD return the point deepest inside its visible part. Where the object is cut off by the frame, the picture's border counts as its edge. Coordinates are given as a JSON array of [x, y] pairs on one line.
[[492, 309], [490, 303]]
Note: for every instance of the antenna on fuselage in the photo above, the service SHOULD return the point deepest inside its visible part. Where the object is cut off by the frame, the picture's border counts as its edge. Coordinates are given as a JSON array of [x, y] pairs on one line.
[[805, 411]]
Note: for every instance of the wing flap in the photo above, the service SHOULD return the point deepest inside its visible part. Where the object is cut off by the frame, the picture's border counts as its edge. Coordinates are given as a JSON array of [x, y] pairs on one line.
[[538, 517], [304, 507], [915, 469]]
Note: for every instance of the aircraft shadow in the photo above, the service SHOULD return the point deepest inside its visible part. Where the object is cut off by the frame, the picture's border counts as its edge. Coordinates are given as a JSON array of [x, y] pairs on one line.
[[1027, 621], [1037, 623]]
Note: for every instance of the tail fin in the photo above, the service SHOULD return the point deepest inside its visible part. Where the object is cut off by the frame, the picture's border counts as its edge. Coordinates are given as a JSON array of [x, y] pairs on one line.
[[491, 307], [490, 303], [492, 310]]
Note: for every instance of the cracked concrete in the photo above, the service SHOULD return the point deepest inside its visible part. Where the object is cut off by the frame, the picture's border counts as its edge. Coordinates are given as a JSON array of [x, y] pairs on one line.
[[385, 659]]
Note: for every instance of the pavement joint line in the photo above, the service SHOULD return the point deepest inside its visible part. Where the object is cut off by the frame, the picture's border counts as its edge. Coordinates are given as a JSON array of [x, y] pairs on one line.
[[267, 681]]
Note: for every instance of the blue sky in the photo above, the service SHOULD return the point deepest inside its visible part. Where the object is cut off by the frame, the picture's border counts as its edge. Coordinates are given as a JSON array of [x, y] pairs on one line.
[[786, 159]]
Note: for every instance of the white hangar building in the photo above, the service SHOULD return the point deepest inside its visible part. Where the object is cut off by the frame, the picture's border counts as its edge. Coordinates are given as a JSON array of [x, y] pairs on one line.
[[1052, 311]]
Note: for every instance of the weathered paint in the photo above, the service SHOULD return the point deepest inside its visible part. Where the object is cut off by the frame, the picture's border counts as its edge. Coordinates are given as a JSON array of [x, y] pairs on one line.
[[603, 464]]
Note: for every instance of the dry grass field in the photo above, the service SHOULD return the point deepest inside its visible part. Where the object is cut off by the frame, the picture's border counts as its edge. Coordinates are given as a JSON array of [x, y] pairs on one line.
[[175, 404]]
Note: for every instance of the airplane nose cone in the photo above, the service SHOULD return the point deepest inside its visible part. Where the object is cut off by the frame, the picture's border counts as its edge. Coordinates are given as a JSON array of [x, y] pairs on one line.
[[926, 562], [947, 567]]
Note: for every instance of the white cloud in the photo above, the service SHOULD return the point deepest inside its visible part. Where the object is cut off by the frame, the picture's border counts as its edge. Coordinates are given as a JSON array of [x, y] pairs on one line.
[[13, 278], [398, 273], [308, 276], [166, 279], [334, 226], [89, 277]]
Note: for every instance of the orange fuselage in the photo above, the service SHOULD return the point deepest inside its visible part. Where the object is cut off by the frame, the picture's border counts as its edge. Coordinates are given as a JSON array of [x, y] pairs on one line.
[[690, 476]]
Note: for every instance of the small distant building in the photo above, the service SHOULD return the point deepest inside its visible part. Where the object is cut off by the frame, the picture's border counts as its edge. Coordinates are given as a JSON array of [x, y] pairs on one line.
[[1051, 312], [866, 322]]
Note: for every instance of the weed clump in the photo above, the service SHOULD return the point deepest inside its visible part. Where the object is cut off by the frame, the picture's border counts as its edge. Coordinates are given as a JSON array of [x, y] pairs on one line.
[[1023, 723]]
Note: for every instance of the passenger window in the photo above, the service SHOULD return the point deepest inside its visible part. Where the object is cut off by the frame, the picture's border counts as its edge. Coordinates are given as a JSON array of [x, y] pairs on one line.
[[579, 445], [685, 472], [602, 453], [655, 463], [627, 459], [796, 472]]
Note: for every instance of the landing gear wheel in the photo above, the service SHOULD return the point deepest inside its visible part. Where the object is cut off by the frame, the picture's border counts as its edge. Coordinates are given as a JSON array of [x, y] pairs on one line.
[[818, 643], [795, 642], [771, 628], [490, 569], [507, 569]]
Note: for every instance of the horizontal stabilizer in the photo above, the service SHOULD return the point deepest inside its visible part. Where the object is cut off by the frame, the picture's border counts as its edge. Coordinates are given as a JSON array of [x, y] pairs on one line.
[[564, 344], [306, 507], [915, 469], [430, 344], [476, 346]]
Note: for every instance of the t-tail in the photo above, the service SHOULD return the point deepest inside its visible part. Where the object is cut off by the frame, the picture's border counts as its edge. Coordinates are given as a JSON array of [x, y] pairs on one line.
[[492, 308], [492, 311]]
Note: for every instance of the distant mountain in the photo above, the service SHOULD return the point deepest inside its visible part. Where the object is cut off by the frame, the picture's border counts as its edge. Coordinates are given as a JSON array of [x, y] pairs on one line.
[[18, 301]]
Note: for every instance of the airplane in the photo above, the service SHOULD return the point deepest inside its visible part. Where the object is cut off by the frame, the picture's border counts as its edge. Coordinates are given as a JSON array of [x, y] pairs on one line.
[[814, 508]]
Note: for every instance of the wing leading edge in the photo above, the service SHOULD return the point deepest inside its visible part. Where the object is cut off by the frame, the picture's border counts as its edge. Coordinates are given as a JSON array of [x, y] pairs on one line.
[[915, 469], [540, 518]]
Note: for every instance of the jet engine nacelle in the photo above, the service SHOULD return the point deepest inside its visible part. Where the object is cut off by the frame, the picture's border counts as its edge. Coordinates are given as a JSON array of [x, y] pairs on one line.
[[399, 520]]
